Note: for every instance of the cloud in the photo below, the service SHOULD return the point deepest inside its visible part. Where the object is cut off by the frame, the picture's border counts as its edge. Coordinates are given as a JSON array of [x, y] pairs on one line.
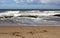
[[50, 1], [23, 1], [16, 1], [31, 1], [44, 1]]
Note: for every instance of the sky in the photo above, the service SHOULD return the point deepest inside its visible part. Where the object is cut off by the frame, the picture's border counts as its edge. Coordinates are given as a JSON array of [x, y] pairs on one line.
[[29, 4]]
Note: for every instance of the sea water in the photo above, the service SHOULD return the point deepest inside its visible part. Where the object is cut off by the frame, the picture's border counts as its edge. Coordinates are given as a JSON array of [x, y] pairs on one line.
[[28, 21]]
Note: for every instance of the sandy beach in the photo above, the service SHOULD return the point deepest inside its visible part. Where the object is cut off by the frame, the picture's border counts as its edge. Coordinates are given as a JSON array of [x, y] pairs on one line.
[[30, 32]]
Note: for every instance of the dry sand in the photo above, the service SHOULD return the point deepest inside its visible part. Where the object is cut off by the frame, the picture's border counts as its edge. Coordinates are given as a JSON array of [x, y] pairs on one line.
[[30, 32]]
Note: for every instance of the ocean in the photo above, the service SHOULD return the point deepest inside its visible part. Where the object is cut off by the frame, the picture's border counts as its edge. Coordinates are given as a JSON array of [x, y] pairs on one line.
[[28, 21]]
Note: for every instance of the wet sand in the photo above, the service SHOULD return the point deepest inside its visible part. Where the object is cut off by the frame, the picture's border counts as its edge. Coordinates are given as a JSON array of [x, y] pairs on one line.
[[30, 32]]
